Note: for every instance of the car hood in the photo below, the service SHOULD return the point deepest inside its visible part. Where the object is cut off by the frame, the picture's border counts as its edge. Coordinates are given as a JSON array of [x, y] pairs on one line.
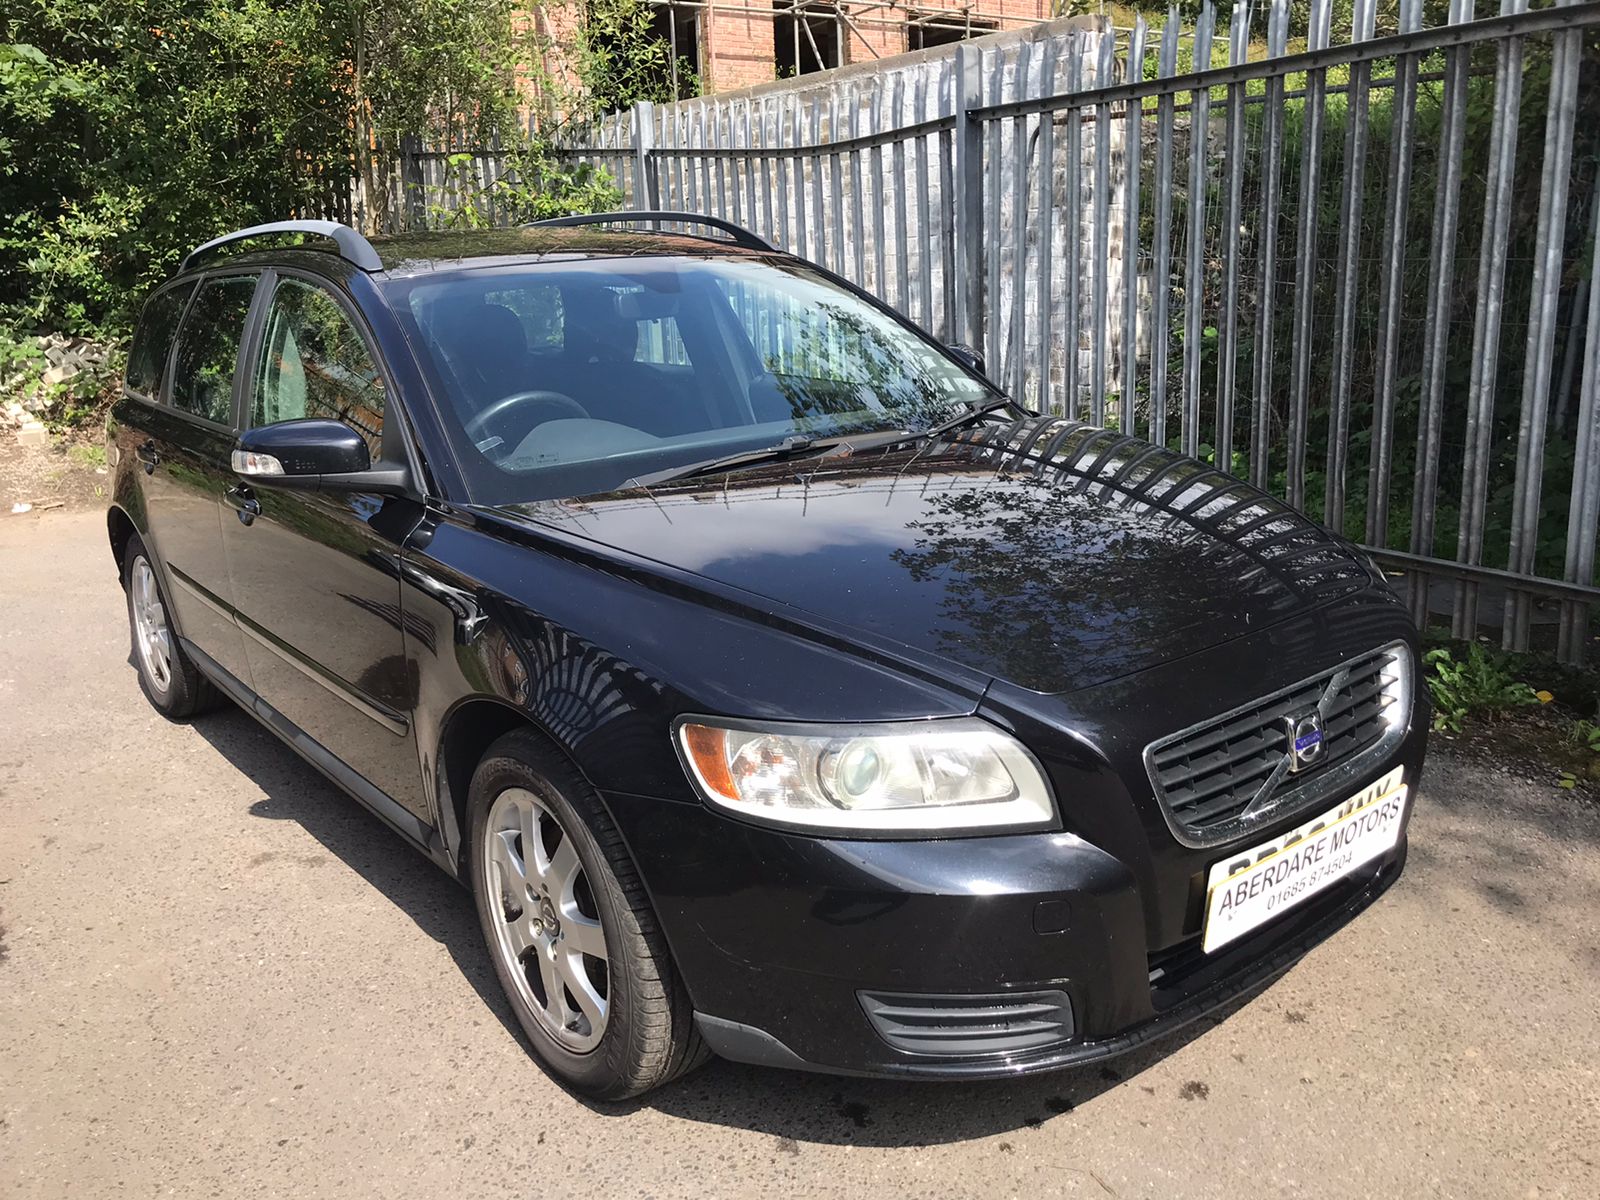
[[1048, 553]]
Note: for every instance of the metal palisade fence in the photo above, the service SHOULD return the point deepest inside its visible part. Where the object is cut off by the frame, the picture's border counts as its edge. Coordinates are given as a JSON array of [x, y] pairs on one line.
[[1355, 267]]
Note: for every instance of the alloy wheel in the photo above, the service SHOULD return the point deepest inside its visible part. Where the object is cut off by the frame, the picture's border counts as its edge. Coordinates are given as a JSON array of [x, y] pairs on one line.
[[150, 630], [546, 924]]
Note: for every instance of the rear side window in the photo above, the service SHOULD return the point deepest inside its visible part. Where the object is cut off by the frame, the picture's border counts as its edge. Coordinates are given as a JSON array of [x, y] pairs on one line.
[[660, 343], [147, 359], [208, 348], [314, 363]]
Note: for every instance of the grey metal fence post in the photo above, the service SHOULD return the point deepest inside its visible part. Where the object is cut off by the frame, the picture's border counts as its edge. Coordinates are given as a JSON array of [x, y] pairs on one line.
[[1305, 258], [1161, 273], [1100, 268], [1490, 289], [1195, 214], [1392, 260], [1549, 245], [1583, 520], [1347, 267], [1132, 160], [1267, 273], [1436, 334], [1077, 47], [1232, 200], [644, 143], [969, 195]]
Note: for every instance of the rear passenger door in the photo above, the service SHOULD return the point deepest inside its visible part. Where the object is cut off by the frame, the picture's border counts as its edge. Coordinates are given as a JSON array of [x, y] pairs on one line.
[[184, 446], [315, 574]]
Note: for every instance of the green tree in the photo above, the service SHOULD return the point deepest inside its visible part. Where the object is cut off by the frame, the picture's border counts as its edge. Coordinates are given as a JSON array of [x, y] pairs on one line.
[[443, 71], [620, 59], [130, 130]]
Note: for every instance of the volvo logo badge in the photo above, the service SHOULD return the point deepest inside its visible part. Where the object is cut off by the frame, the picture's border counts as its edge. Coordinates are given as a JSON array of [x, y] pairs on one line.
[[1304, 732]]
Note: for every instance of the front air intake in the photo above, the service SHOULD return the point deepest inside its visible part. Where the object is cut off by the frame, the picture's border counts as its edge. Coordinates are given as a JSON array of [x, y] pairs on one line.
[[970, 1025]]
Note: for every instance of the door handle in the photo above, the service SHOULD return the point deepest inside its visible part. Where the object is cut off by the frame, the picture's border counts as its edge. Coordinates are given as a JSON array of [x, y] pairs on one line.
[[243, 501], [145, 452]]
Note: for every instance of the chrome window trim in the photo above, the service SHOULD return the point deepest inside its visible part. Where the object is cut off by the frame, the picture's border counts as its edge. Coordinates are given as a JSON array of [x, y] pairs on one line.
[[1322, 784]]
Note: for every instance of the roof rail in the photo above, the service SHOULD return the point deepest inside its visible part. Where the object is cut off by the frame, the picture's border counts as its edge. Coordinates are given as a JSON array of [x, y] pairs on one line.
[[741, 236], [353, 248]]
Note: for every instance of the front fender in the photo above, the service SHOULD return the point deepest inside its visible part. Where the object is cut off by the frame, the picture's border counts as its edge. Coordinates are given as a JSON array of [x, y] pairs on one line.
[[601, 661]]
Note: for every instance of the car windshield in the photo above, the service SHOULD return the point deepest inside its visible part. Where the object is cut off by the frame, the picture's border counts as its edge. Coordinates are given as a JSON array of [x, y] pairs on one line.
[[567, 378]]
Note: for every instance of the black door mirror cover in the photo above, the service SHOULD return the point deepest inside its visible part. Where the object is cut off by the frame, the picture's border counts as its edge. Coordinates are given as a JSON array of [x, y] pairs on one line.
[[313, 446]]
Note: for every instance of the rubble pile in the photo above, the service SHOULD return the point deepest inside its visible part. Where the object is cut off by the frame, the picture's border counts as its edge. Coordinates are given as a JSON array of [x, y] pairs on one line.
[[26, 392]]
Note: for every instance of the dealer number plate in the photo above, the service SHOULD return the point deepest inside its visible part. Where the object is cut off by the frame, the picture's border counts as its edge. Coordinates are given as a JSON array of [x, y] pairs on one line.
[[1248, 889]]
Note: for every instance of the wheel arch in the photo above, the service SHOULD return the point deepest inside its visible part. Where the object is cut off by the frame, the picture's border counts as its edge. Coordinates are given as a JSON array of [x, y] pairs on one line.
[[465, 735], [121, 530]]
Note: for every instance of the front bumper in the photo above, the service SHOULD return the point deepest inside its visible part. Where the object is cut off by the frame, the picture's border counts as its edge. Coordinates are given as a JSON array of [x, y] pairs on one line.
[[776, 937], [1257, 962]]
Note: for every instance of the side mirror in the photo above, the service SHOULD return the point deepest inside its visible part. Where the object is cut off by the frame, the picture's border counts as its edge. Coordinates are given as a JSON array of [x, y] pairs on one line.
[[967, 357], [314, 454]]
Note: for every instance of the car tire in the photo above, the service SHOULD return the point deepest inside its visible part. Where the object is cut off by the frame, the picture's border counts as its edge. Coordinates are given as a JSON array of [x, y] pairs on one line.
[[167, 675], [570, 930]]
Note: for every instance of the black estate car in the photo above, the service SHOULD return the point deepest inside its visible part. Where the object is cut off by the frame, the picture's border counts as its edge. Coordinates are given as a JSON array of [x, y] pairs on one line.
[[780, 688]]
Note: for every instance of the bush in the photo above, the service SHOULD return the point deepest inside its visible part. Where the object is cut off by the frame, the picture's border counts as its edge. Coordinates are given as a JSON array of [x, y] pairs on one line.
[[137, 128], [22, 364]]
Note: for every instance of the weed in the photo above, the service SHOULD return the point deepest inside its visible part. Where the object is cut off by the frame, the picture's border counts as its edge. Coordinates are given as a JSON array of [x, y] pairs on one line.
[[88, 454], [1473, 683], [1585, 735]]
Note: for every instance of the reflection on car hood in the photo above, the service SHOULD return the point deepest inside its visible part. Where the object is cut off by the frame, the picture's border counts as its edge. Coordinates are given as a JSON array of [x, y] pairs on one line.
[[1047, 553]]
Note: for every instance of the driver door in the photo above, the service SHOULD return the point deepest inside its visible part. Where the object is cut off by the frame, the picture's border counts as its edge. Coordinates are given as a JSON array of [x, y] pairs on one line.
[[315, 574]]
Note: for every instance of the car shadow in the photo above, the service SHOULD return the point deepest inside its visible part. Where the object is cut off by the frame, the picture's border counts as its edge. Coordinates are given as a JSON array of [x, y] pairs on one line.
[[790, 1106], [296, 791], [797, 1108]]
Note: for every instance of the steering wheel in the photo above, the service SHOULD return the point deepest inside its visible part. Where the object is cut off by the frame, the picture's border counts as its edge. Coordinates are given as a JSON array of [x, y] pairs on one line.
[[561, 405]]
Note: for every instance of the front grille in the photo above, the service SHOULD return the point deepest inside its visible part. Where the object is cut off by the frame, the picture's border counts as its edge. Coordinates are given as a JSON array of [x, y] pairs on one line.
[[1219, 778], [1001, 1023]]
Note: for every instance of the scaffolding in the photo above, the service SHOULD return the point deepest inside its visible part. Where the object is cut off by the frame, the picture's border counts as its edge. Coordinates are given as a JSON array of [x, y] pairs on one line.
[[850, 22]]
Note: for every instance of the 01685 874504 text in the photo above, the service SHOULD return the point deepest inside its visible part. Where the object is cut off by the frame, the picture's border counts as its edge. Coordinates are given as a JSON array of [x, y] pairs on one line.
[[1248, 889]]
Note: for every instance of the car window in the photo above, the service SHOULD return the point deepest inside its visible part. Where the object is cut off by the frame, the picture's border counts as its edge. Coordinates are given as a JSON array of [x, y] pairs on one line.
[[563, 378], [208, 348], [314, 363], [147, 358]]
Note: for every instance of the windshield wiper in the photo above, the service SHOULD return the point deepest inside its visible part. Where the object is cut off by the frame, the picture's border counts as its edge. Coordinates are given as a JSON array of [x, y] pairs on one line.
[[827, 447], [788, 448], [973, 414]]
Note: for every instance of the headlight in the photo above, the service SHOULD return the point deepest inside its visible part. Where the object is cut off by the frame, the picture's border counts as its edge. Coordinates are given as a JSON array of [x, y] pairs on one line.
[[913, 777]]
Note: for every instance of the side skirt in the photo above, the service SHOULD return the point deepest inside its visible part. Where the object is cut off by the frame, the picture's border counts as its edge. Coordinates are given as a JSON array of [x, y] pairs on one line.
[[424, 838]]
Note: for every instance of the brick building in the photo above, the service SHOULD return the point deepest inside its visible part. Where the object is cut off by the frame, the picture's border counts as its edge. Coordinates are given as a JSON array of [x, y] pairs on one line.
[[739, 43]]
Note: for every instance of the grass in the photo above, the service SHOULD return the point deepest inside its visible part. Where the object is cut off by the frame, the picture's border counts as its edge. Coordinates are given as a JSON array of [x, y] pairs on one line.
[[87, 454]]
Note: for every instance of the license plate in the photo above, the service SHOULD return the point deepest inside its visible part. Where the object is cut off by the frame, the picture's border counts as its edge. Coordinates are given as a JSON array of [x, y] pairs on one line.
[[1248, 889]]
